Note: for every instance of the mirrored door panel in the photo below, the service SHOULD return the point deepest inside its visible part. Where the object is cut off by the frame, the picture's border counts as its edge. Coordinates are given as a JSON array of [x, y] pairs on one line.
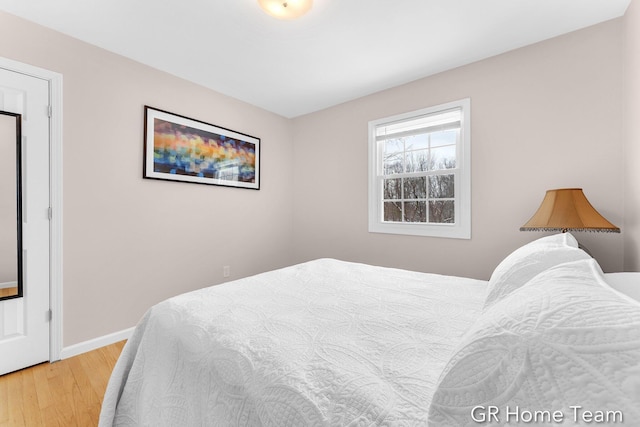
[[10, 206]]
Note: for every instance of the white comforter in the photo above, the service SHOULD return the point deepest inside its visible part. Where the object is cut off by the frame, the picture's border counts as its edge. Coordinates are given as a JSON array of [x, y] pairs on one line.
[[324, 343]]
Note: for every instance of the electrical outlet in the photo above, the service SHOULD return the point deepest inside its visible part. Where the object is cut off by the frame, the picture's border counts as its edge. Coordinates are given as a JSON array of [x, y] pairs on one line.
[[226, 271]]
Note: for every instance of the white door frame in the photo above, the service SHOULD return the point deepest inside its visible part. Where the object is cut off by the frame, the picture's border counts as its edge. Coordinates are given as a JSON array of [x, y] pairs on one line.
[[55, 196]]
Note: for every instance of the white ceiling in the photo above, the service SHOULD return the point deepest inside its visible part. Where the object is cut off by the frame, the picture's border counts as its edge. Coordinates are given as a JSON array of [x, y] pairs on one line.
[[340, 50]]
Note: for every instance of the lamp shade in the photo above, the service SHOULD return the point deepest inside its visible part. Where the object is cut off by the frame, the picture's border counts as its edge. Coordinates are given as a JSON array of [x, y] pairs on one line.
[[567, 209], [286, 9]]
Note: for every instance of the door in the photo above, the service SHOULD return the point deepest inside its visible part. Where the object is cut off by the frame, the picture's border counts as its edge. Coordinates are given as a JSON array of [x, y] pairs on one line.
[[24, 321]]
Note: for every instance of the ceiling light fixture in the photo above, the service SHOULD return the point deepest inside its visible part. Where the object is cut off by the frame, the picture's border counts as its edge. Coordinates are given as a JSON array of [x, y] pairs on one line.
[[286, 9]]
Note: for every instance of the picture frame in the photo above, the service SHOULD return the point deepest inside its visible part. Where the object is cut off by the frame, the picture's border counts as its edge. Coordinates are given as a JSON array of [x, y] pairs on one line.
[[178, 148]]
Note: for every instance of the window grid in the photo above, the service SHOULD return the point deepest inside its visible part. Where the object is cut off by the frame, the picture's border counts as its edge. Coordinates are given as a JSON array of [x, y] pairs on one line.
[[419, 168], [427, 200], [400, 161]]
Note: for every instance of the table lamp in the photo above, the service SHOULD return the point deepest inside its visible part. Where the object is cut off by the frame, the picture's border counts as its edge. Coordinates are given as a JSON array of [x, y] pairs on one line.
[[567, 209]]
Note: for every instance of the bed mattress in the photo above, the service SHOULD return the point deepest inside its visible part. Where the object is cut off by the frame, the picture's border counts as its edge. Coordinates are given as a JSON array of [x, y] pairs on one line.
[[322, 343]]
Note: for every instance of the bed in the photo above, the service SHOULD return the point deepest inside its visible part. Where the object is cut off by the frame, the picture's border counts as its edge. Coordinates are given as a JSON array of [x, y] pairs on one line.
[[334, 343]]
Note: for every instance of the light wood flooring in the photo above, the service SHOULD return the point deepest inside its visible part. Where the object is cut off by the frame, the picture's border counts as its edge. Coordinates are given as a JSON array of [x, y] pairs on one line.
[[5, 292], [66, 394]]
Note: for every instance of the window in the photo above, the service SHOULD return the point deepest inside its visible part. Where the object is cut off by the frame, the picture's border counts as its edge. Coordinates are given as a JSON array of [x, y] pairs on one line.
[[419, 172]]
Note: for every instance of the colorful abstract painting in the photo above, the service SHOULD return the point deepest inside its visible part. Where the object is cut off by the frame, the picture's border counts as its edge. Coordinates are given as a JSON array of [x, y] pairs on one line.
[[182, 149]]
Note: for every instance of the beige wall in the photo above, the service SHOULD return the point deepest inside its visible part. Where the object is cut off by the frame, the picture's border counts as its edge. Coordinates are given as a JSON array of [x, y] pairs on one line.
[[129, 242], [544, 116], [631, 79]]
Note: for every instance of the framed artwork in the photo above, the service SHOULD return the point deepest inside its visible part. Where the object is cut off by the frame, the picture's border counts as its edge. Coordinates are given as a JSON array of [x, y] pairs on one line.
[[177, 148]]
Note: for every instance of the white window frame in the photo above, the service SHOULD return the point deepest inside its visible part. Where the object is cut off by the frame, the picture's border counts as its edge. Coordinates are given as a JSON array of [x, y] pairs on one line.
[[461, 227]]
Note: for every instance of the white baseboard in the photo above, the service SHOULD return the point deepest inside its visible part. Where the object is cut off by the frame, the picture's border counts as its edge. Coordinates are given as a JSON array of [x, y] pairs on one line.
[[83, 347], [8, 285]]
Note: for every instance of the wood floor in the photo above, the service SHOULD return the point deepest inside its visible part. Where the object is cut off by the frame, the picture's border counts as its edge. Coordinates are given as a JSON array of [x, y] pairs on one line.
[[66, 394], [5, 292]]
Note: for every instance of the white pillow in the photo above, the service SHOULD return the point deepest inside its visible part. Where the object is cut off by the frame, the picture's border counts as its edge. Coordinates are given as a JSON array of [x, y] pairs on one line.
[[527, 261], [562, 340]]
